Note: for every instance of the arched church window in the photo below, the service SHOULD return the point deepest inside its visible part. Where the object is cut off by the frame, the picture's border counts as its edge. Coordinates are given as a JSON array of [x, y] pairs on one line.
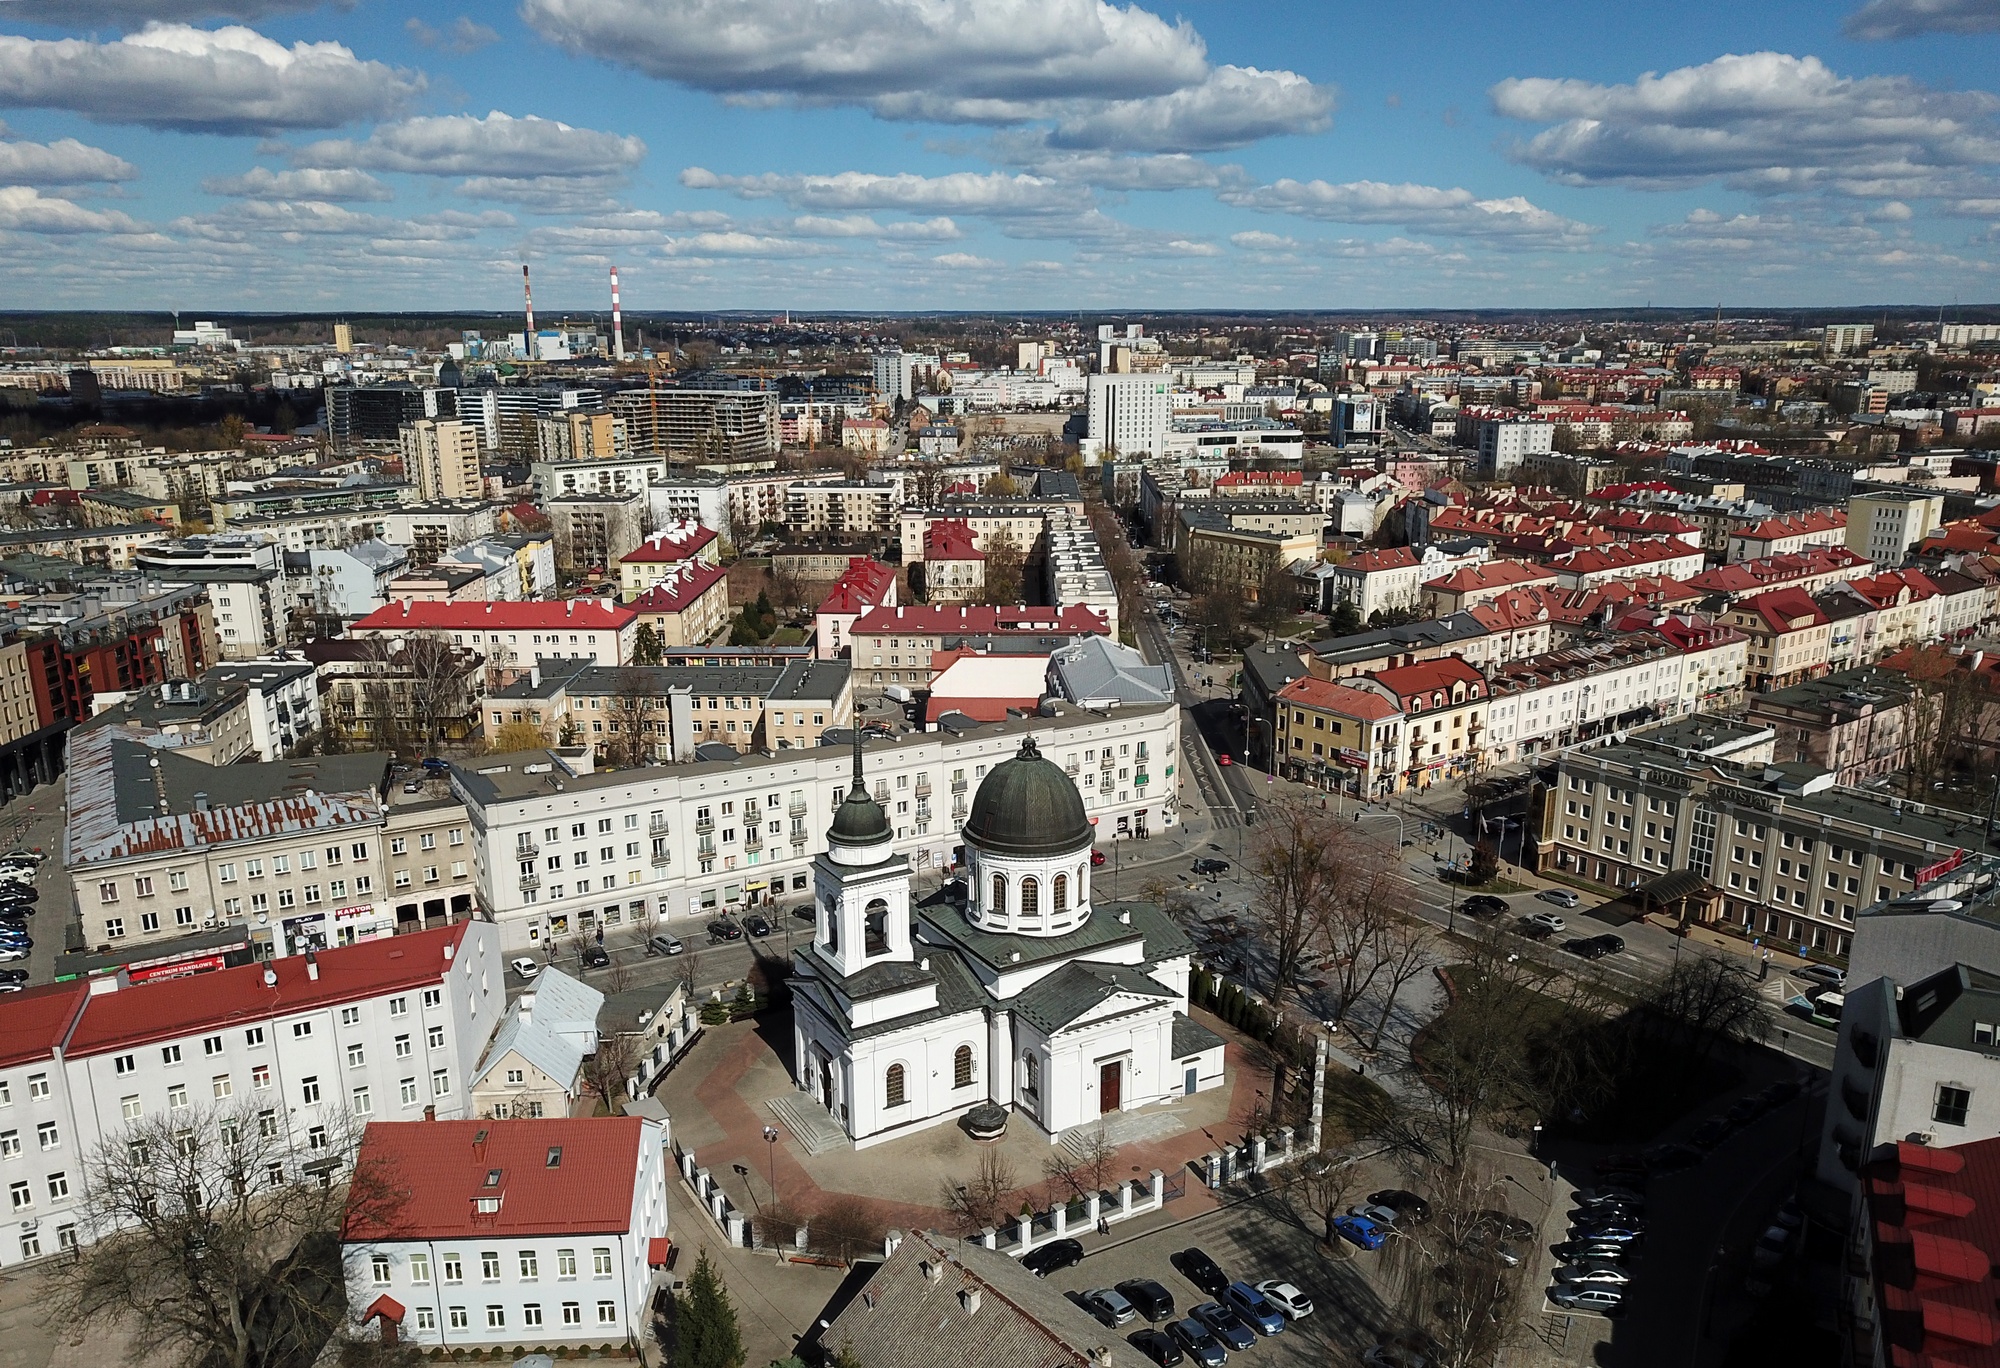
[[1031, 1075], [961, 1067], [892, 1087], [832, 920], [999, 907], [875, 928], [1082, 884], [1062, 894], [1031, 898]]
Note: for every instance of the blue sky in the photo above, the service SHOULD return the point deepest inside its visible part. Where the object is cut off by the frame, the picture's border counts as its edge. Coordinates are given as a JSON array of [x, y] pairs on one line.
[[1003, 154]]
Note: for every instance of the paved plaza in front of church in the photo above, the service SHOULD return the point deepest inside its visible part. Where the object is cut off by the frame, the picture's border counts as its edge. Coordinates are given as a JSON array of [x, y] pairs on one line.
[[719, 1100]]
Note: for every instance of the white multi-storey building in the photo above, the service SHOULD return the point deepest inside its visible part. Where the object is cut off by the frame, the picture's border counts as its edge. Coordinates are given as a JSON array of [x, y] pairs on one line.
[[1130, 414], [511, 1232], [561, 847], [303, 1045]]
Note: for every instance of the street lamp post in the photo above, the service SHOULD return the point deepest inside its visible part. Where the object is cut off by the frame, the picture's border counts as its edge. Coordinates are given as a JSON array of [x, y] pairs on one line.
[[771, 1150]]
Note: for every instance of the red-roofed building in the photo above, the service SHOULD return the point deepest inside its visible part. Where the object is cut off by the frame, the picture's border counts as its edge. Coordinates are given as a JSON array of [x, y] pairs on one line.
[[1899, 608], [1811, 571], [1260, 484], [1443, 703], [1391, 580], [307, 1040], [954, 566], [866, 584], [665, 551], [686, 606], [1632, 524], [1336, 736], [1663, 556], [554, 1222], [513, 636], [1789, 534], [1477, 584], [895, 645], [1789, 637]]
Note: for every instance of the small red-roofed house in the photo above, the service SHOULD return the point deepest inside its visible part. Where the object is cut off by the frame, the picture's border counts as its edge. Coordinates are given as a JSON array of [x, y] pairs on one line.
[[664, 552], [688, 606], [1444, 704], [1789, 534], [954, 566], [473, 1234], [866, 584]]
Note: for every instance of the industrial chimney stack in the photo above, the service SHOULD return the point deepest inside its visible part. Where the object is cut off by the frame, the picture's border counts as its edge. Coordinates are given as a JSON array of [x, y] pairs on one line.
[[528, 298], [617, 320]]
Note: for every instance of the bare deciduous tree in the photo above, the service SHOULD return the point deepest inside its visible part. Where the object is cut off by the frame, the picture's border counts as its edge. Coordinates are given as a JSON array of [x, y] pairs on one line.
[[1403, 951], [1453, 1284], [213, 1233], [982, 1200], [615, 1060]]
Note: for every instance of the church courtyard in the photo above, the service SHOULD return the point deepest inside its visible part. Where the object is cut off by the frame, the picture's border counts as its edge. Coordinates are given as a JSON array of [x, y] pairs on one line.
[[720, 1098]]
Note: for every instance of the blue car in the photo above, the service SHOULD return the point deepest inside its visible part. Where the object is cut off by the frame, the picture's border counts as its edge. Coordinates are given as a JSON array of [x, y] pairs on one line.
[[1254, 1307], [1359, 1230], [1224, 1324]]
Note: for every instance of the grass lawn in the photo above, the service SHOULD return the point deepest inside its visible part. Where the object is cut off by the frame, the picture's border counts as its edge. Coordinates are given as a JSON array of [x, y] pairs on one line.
[[788, 636], [1352, 1103]]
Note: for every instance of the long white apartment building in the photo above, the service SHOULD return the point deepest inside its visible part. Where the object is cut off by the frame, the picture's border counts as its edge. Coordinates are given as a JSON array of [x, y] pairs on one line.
[[560, 847], [300, 1048]]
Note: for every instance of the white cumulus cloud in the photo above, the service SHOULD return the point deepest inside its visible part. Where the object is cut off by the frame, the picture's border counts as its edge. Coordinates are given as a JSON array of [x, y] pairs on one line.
[[1454, 212], [466, 145], [140, 12], [461, 36], [226, 80], [1105, 76], [967, 192], [1764, 121], [312, 184], [25, 209], [63, 162], [1880, 20]]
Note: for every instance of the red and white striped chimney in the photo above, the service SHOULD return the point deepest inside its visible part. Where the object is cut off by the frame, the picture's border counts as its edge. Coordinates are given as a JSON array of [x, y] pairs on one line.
[[617, 320], [528, 298]]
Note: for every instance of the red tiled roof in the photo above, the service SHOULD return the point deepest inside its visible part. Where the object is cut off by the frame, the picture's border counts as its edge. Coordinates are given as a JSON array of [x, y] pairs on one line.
[[680, 588], [1886, 589], [1499, 574], [33, 1023], [431, 1174], [676, 543], [1796, 524], [1260, 477], [1782, 607], [385, 1306], [1391, 558], [1349, 702], [1621, 555], [1410, 681], [979, 619], [166, 1008], [1745, 576], [863, 585], [951, 539], [575, 615]]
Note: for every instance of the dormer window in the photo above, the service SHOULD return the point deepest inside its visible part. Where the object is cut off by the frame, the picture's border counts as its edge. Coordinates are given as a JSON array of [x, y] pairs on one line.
[[492, 1178]]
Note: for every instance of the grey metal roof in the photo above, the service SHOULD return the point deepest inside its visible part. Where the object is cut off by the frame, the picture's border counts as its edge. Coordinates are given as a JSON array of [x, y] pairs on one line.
[[1100, 668], [1079, 986], [1191, 1037], [559, 1032]]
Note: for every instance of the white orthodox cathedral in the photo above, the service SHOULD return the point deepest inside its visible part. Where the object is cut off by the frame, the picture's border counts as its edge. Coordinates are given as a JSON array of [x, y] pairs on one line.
[[1012, 990]]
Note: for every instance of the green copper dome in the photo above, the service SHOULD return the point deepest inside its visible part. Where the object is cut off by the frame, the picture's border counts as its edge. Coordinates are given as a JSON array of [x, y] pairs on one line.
[[1028, 807], [859, 820]]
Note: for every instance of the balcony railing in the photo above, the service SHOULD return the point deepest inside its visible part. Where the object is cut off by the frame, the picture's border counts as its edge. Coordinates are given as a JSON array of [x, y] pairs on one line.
[[705, 825], [753, 839], [958, 786], [661, 857], [531, 881], [657, 827], [923, 788], [528, 851], [797, 809]]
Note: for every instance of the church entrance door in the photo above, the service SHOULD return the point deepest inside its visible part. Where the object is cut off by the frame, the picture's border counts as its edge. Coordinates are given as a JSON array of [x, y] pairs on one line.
[[826, 1084], [1110, 1086]]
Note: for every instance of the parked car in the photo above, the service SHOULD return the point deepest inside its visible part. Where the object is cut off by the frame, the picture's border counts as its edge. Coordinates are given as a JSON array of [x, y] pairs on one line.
[[1198, 1342], [1254, 1307], [664, 944], [1590, 1251], [1585, 947], [1208, 864], [524, 966], [1822, 973], [1287, 1298], [1605, 1301], [12, 952], [1710, 1133], [1224, 1324], [22, 893], [1368, 1211], [1096, 858], [1664, 1159], [1484, 905], [1109, 1307], [1772, 1247], [723, 929], [756, 926], [1204, 1272], [1561, 897], [1160, 1348], [1223, 759], [1043, 1260], [1532, 929], [433, 765], [1363, 1233], [13, 975], [1155, 1303], [595, 957], [1407, 1205], [1609, 1232], [1510, 1226], [1780, 1092], [1594, 1275]]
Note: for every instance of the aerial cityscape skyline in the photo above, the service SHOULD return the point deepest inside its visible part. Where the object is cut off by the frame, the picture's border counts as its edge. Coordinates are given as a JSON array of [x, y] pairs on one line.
[[270, 154]]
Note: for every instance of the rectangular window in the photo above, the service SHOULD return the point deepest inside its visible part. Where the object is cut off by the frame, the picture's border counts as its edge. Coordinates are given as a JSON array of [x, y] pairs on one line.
[[361, 1104], [440, 1082], [254, 1036], [48, 1136], [531, 1314], [301, 1029], [530, 1264], [222, 1086], [457, 1314], [496, 1318], [489, 1265], [1951, 1105], [566, 1261], [572, 1313], [454, 1270], [607, 1313], [600, 1262], [309, 1091], [378, 1267], [408, 1091]]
